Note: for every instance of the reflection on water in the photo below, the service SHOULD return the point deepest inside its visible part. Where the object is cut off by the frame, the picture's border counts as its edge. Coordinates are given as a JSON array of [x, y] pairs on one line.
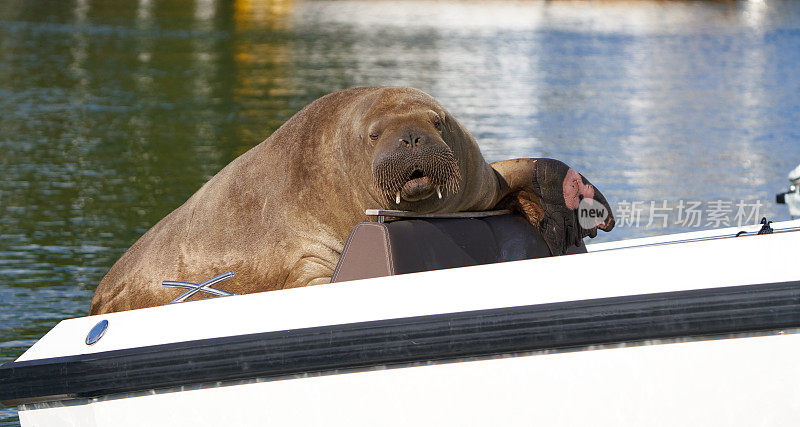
[[113, 113]]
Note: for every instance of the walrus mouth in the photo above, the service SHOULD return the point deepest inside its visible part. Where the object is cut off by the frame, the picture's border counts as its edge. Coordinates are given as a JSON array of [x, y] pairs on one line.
[[414, 178], [418, 187]]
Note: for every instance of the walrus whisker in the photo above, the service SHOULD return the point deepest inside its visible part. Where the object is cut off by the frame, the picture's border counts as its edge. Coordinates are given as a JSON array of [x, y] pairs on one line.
[[394, 169]]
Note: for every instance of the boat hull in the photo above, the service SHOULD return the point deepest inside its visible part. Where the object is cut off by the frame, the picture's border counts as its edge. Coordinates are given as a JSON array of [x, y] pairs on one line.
[[691, 330]]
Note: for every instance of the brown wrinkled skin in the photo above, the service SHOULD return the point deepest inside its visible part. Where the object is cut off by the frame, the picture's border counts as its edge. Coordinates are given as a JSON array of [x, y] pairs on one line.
[[279, 214]]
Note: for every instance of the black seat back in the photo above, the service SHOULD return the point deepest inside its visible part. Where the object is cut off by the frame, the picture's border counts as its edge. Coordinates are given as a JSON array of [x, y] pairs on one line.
[[412, 245]]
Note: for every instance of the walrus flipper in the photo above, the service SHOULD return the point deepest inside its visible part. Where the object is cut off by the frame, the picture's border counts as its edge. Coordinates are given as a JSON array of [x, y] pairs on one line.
[[561, 202]]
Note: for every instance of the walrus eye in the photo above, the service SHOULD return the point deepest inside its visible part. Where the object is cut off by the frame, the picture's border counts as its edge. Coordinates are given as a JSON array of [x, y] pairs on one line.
[[437, 123], [373, 135]]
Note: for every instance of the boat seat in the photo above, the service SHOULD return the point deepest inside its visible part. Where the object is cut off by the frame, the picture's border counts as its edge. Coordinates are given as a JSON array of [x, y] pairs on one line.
[[377, 249]]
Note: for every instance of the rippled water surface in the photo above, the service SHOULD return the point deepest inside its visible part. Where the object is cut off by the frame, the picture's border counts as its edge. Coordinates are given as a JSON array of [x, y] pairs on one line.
[[113, 112]]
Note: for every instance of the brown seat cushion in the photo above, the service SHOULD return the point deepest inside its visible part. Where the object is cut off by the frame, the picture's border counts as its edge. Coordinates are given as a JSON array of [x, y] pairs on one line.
[[408, 246]]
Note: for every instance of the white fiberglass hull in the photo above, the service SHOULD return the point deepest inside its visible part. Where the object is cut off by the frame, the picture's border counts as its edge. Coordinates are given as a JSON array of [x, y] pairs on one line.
[[752, 381], [724, 353]]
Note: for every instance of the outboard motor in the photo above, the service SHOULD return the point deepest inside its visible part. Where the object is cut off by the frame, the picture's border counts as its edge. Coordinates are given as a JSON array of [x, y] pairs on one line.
[[792, 197]]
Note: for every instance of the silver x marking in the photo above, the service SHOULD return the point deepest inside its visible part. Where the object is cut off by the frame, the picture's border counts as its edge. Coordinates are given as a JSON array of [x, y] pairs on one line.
[[199, 287]]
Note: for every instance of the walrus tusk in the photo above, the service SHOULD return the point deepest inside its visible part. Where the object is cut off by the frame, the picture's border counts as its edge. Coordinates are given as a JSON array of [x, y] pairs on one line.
[[439, 191], [397, 198]]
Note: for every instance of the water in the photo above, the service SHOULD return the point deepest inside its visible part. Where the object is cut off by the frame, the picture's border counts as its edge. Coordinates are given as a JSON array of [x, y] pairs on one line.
[[113, 113]]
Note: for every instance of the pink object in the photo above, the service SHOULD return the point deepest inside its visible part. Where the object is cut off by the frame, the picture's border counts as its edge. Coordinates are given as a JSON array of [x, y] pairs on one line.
[[574, 187]]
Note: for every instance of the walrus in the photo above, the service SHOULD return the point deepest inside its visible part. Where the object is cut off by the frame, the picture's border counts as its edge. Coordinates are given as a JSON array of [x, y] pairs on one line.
[[279, 214]]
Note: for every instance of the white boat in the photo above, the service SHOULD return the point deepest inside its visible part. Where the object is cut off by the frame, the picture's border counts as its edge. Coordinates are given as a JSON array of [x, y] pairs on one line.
[[689, 329]]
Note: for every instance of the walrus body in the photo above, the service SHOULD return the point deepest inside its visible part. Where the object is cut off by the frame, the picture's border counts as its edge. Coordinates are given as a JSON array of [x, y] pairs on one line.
[[279, 214]]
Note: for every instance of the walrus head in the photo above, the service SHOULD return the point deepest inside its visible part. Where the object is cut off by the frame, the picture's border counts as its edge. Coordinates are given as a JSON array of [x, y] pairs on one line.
[[412, 164]]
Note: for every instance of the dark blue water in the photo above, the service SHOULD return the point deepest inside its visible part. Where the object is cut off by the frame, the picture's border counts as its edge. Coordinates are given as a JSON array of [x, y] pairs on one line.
[[113, 113]]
